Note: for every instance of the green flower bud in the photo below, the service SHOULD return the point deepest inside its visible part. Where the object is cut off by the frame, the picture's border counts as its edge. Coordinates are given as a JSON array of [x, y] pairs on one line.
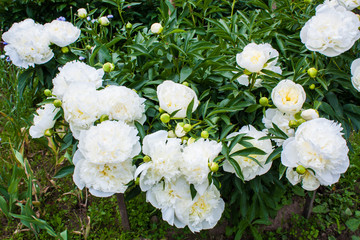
[[128, 26], [312, 72], [264, 101], [300, 121], [300, 169], [185, 139], [108, 67], [104, 117], [171, 134], [48, 132], [185, 83], [147, 158], [205, 134], [312, 87], [88, 47], [307, 1], [297, 115], [187, 127], [57, 103], [293, 124], [161, 110], [48, 92], [214, 167], [165, 118], [64, 49]]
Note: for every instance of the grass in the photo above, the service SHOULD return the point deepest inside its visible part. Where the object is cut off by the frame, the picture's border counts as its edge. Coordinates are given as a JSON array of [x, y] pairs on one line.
[[64, 207]]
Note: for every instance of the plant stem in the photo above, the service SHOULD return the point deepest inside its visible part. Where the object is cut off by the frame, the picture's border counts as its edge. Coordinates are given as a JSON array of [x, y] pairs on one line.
[[309, 205], [123, 213]]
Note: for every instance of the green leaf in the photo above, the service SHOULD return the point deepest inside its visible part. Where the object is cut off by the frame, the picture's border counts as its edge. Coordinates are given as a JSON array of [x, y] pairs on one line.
[[237, 168], [3, 206], [275, 154], [236, 140], [353, 224], [64, 235], [65, 171], [189, 109], [193, 191], [248, 151], [185, 73], [141, 130], [19, 157], [23, 81]]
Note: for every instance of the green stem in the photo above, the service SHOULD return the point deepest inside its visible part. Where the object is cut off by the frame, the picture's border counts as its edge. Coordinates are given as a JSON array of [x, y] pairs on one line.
[[252, 80]]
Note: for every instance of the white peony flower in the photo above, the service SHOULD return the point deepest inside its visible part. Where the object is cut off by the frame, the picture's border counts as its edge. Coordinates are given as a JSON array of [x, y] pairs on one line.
[[103, 180], [309, 114], [165, 154], [308, 181], [170, 197], [81, 107], [62, 33], [318, 145], [204, 212], [281, 120], [109, 142], [332, 31], [75, 72], [288, 96], [122, 103], [249, 168], [255, 56], [355, 72], [43, 120], [196, 159], [156, 28], [27, 44], [174, 96], [348, 4]]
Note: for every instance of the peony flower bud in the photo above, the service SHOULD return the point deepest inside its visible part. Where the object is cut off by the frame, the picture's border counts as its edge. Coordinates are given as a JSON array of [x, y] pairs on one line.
[[82, 13], [156, 28], [165, 118], [179, 130], [57, 103], [312, 86], [108, 67], [309, 114], [293, 124], [264, 101], [312, 72], [88, 47], [47, 92], [187, 127], [214, 167], [161, 110], [128, 26], [171, 134], [64, 49], [147, 158], [185, 83], [104, 21], [205, 134], [300, 169], [48, 133]]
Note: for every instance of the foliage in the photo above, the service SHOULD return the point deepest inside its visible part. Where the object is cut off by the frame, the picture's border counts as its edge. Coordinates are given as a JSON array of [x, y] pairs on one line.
[[197, 47]]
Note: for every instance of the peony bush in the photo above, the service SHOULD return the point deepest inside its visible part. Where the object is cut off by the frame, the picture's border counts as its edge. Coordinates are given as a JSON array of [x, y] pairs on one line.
[[210, 115]]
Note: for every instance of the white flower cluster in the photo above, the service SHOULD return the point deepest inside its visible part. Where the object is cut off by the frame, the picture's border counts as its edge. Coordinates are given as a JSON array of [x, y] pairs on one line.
[[28, 42], [333, 30], [167, 176]]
